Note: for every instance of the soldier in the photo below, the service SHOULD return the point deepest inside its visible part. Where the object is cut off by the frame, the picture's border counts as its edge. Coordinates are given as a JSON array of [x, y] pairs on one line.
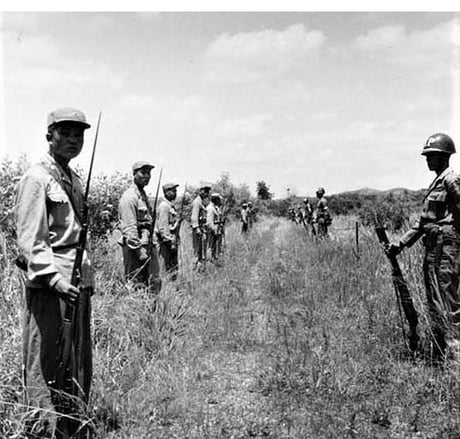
[[168, 230], [244, 218], [213, 220], [140, 255], [198, 223], [49, 206], [439, 224], [323, 217], [307, 211]]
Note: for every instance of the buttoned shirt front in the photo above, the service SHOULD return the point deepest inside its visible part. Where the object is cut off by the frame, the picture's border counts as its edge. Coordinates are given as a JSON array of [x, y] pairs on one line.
[[198, 217], [213, 217], [167, 220], [48, 224], [441, 206], [135, 218]]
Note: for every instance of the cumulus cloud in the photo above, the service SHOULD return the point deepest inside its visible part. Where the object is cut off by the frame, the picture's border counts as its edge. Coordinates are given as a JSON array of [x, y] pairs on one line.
[[431, 49], [249, 56]]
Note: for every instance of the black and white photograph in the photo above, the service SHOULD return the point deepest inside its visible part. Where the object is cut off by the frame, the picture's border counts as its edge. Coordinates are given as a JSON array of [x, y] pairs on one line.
[[230, 222]]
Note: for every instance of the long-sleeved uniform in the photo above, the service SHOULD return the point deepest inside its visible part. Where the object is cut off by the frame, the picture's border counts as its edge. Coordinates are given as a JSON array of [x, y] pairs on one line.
[[136, 222], [166, 232], [439, 224], [198, 222], [48, 230]]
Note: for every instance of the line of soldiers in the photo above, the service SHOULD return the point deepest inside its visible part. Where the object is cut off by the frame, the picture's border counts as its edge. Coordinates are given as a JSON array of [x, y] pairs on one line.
[[142, 232], [308, 217], [50, 203]]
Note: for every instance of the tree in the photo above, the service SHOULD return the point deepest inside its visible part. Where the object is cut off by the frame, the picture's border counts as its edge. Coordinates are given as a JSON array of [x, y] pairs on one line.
[[263, 191]]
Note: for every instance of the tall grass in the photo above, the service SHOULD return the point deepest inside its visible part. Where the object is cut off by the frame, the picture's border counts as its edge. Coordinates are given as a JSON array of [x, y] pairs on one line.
[[290, 338]]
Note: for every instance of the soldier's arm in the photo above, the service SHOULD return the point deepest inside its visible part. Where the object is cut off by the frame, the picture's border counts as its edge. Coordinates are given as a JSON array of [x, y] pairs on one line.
[[128, 219], [453, 198], [210, 214], [195, 214], [164, 228], [33, 231]]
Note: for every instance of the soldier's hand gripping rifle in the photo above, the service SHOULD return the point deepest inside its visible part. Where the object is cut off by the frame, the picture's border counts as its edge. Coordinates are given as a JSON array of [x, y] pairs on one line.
[[64, 379], [403, 296]]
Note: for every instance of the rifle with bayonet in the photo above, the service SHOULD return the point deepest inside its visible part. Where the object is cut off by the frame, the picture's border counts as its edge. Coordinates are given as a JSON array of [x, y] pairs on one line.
[[403, 296], [64, 380], [155, 203]]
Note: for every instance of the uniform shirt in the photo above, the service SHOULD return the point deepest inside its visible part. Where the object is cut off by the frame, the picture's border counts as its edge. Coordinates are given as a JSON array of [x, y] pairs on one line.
[[48, 228], [244, 215], [213, 217], [321, 208], [167, 217], [135, 218], [198, 217], [441, 206]]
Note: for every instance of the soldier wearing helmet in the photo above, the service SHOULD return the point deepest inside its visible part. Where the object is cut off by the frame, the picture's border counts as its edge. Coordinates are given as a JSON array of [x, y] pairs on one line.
[[439, 225], [323, 217]]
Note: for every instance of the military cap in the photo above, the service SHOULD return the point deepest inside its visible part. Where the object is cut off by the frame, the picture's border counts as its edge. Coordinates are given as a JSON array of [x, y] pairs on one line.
[[245, 204], [205, 186], [168, 186], [142, 164], [67, 115]]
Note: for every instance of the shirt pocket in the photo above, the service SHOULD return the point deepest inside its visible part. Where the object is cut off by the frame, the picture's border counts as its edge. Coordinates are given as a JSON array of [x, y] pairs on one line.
[[436, 207], [59, 209]]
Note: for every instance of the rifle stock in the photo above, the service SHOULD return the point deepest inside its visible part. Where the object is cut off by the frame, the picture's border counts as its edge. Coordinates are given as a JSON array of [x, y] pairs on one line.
[[402, 292]]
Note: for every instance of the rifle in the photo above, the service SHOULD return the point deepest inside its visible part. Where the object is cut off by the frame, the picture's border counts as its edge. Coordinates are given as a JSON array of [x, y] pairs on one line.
[[63, 375], [403, 296], [154, 212]]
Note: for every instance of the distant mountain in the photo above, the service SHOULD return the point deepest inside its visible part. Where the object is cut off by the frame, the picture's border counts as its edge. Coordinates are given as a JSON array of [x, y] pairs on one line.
[[371, 191]]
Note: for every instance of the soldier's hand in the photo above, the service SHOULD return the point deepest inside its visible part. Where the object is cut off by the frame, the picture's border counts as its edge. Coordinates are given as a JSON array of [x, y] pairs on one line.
[[393, 249], [67, 291], [143, 254]]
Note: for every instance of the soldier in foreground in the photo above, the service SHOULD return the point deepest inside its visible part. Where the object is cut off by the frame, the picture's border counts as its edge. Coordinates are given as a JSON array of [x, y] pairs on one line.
[[323, 217], [439, 225], [213, 220], [140, 257], [198, 223], [167, 230], [49, 208]]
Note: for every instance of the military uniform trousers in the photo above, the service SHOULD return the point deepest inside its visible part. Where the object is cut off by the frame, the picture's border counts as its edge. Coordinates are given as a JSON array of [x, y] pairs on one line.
[[42, 318], [214, 244], [170, 257], [441, 268], [199, 246], [146, 273], [322, 227]]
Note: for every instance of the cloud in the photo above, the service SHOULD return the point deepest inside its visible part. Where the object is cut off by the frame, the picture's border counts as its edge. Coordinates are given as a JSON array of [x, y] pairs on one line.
[[250, 56], [430, 50], [33, 61]]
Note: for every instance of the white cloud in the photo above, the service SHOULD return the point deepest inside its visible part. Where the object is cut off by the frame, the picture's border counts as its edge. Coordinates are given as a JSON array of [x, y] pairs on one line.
[[431, 51], [249, 56]]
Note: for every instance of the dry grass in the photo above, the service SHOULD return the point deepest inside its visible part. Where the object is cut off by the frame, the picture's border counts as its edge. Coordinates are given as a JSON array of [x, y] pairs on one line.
[[290, 338]]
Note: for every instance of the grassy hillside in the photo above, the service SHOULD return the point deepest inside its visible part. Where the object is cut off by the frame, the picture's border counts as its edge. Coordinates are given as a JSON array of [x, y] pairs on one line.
[[290, 338]]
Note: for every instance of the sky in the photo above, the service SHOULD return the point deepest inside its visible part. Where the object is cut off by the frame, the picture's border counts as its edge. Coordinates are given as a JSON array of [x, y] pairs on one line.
[[343, 100]]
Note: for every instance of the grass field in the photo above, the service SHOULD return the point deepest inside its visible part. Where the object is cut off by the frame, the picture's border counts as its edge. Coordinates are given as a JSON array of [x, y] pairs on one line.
[[289, 338]]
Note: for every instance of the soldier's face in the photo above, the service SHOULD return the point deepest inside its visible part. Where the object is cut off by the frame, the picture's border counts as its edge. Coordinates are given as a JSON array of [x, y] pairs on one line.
[[171, 194], [437, 161], [66, 140], [142, 176]]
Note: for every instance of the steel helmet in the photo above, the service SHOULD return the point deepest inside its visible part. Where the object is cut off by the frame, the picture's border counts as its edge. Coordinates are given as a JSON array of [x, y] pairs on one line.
[[320, 189], [439, 142]]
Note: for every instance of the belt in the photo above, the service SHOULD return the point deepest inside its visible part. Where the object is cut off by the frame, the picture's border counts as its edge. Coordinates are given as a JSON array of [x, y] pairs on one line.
[[65, 246]]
